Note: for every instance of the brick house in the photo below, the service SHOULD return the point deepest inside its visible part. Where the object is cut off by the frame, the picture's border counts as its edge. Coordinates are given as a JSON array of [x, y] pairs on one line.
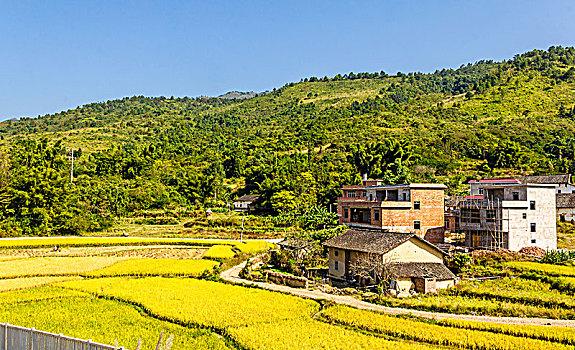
[[411, 208], [412, 262]]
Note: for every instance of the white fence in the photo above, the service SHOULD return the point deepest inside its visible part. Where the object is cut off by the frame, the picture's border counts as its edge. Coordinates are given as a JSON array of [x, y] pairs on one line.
[[20, 338]]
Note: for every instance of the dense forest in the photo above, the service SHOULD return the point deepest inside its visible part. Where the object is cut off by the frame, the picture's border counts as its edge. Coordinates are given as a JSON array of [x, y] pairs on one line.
[[294, 146]]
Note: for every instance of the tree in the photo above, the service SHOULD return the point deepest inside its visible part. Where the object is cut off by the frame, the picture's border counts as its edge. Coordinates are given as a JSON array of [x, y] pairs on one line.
[[372, 267], [317, 217]]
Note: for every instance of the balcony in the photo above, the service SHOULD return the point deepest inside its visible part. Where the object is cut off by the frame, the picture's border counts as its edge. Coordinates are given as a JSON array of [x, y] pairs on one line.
[[486, 204], [355, 199], [375, 203], [515, 204]]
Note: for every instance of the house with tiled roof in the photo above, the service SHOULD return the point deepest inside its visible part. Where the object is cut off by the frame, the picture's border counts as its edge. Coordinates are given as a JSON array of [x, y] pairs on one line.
[[246, 203], [412, 262], [561, 181], [566, 207]]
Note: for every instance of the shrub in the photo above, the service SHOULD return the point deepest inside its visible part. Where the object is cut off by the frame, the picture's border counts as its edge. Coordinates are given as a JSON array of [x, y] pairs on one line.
[[557, 256]]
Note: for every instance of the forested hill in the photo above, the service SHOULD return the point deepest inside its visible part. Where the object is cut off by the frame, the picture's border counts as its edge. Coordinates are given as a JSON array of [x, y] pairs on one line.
[[295, 146]]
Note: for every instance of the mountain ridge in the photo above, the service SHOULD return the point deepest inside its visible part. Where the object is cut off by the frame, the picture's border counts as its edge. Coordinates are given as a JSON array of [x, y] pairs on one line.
[[296, 145]]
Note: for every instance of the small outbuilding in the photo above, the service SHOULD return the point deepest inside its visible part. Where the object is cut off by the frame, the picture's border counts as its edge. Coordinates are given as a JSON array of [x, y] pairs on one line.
[[410, 262], [566, 207], [246, 203]]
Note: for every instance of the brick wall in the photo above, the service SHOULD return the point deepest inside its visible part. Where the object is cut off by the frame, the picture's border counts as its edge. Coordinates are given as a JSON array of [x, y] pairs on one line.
[[402, 219]]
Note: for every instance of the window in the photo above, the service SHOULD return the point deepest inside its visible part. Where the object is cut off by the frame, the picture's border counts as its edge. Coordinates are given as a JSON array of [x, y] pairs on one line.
[[515, 196], [532, 205], [363, 193], [417, 225], [405, 196], [417, 205], [533, 241], [351, 194], [525, 215], [346, 213], [572, 191], [336, 266], [481, 191], [533, 227], [376, 214], [558, 191], [336, 253]]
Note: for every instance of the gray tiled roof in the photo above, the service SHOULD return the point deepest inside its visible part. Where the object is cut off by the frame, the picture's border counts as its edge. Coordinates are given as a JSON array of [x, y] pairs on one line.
[[566, 200], [422, 270], [546, 179], [248, 198], [370, 241], [373, 241]]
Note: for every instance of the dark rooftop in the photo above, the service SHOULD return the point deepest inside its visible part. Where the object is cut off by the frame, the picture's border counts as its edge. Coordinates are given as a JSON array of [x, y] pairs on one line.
[[421, 270], [248, 198], [371, 241], [565, 200], [546, 179]]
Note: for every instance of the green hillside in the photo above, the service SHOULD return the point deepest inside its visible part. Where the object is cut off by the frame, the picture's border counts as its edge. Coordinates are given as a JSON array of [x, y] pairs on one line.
[[295, 146]]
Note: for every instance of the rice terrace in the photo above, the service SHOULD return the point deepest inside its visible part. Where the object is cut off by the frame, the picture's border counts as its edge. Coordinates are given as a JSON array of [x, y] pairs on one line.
[[112, 292], [287, 175]]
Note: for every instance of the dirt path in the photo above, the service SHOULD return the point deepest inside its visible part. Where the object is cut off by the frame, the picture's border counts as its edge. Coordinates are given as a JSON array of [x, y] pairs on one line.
[[232, 275]]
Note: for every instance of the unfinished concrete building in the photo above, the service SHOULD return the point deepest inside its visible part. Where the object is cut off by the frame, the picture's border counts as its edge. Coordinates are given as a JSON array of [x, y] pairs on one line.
[[510, 216]]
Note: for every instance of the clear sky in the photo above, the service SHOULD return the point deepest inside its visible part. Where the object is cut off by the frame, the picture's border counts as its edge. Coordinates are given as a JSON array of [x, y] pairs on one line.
[[56, 55]]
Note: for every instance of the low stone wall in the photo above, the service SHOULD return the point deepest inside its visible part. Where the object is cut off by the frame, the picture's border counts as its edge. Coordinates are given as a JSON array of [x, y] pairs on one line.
[[292, 281], [316, 272]]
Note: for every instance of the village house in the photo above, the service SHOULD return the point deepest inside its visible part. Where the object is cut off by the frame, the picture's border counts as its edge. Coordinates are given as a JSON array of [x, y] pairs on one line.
[[476, 187], [412, 262], [411, 208], [245, 203], [562, 182], [509, 215], [566, 207]]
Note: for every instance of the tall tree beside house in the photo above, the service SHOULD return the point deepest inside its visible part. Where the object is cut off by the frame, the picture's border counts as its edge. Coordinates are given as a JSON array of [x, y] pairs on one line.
[[373, 268]]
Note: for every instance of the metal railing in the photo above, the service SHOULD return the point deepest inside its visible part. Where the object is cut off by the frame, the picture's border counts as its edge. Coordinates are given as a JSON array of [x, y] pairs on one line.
[[21, 338]]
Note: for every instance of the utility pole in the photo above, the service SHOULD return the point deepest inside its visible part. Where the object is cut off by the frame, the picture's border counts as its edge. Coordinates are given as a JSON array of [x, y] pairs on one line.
[[72, 168]]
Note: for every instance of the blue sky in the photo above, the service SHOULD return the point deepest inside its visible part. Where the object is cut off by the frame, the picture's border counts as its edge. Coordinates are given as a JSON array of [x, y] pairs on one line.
[[56, 55]]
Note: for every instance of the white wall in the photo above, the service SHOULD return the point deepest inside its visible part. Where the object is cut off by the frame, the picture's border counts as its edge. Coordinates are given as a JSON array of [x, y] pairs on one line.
[[544, 216]]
